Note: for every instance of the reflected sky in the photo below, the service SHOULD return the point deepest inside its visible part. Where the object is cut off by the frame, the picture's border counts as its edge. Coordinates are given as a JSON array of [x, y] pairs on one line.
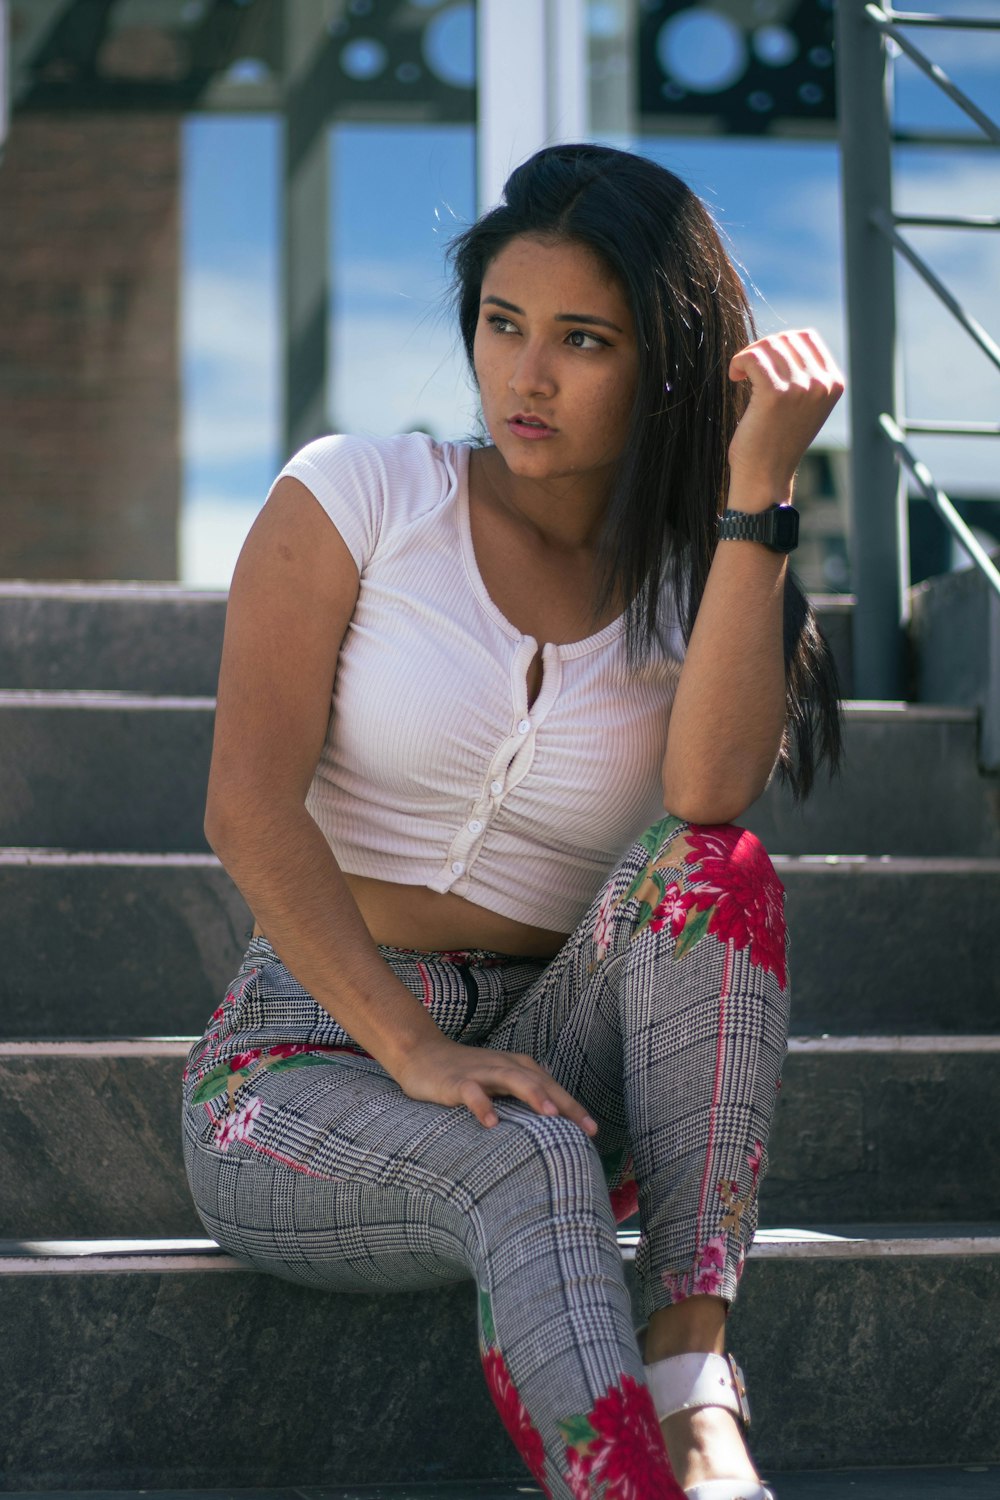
[[397, 196]]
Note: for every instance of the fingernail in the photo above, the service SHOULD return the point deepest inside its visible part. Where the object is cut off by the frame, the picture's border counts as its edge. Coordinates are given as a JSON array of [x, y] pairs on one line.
[[549, 1108], [589, 1124]]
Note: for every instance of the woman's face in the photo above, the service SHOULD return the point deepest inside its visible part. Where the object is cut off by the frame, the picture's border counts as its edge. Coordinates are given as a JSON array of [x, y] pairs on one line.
[[556, 360]]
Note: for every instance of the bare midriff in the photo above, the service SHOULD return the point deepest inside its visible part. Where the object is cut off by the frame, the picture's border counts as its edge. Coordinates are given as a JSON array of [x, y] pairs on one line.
[[411, 916]]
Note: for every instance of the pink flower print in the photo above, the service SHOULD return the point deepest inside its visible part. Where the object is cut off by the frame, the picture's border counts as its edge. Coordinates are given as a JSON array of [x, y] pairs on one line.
[[625, 1197], [738, 883], [225, 1132], [705, 1275], [602, 927], [292, 1049], [677, 1284], [246, 1119], [237, 1127], [673, 909], [629, 1452], [754, 1161], [578, 1474], [243, 1059], [514, 1414], [709, 1266], [219, 1012]]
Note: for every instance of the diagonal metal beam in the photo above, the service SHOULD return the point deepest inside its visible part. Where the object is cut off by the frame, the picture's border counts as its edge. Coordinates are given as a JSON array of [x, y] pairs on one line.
[[935, 73], [883, 221], [941, 503]]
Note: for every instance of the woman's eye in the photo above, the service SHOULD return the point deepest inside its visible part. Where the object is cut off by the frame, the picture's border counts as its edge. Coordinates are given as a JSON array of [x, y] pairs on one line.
[[580, 339], [499, 324]]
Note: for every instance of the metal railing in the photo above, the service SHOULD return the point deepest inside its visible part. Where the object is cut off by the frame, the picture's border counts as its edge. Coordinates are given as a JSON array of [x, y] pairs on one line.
[[872, 239]]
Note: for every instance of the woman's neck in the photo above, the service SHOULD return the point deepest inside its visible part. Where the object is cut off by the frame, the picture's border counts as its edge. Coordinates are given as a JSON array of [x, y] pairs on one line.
[[564, 513]]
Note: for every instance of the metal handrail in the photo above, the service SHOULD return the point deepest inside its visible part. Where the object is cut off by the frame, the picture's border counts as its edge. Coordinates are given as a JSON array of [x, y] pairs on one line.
[[944, 23], [941, 503], [880, 456], [972, 326], [952, 429], [948, 221], [886, 24]]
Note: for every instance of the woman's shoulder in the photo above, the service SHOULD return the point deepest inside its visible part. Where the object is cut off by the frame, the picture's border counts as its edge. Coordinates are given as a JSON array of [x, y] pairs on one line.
[[400, 457], [368, 485]]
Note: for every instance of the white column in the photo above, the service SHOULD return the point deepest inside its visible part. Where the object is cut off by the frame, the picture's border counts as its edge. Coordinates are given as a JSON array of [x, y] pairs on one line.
[[532, 83]]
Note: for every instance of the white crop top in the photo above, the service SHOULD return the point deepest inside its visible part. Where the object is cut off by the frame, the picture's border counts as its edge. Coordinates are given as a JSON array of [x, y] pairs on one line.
[[435, 771]]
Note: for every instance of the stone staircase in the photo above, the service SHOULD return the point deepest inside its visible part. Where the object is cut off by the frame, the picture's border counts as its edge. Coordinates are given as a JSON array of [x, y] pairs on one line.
[[138, 1356]]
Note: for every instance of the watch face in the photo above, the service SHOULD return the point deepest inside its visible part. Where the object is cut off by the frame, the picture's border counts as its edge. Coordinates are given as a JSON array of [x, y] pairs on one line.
[[786, 528]]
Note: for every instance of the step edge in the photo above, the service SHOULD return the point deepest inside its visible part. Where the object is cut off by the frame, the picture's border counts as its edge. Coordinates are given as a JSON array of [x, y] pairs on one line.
[[860, 709], [81, 590], [791, 866], [97, 1257], [101, 699], [829, 1043]]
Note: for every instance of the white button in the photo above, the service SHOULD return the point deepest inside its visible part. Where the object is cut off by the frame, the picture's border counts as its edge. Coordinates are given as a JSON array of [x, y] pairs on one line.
[[475, 826], [524, 726], [496, 787], [457, 868]]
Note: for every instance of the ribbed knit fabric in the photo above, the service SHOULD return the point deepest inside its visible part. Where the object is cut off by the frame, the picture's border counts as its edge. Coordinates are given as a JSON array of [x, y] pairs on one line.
[[435, 770]]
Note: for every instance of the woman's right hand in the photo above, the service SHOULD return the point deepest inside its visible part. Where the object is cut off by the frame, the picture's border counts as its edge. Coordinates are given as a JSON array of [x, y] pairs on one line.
[[441, 1071]]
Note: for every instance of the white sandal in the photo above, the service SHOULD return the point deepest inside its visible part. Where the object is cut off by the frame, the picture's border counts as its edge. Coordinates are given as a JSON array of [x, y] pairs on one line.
[[686, 1381]]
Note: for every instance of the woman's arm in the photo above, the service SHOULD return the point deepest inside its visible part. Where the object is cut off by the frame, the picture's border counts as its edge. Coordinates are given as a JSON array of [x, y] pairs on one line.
[[292, 597], [729, 711]]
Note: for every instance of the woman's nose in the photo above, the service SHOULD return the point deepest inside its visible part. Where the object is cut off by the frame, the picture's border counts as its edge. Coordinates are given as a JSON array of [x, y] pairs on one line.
[[532, 373]]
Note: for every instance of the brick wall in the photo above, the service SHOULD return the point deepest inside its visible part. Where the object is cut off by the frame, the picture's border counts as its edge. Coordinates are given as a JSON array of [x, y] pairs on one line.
[[89, 362]]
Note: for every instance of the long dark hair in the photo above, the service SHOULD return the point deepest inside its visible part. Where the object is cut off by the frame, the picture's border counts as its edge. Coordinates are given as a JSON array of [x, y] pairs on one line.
[[691, 316]]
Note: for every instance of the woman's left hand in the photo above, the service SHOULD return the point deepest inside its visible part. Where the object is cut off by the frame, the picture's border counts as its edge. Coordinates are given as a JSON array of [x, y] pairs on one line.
[[794, 386]]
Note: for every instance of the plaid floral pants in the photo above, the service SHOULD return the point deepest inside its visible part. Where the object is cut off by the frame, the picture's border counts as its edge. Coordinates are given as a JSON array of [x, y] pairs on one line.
[[665, 1014]]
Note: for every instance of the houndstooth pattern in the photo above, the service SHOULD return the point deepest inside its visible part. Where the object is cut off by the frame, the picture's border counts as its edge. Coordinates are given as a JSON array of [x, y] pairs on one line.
[[346, 1183]]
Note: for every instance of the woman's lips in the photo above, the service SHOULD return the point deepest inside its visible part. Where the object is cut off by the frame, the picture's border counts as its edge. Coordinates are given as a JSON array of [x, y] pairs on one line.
[[529, 427]]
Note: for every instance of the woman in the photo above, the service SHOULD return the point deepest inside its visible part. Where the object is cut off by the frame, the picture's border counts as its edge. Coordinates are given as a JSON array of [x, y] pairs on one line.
[[494, 996]]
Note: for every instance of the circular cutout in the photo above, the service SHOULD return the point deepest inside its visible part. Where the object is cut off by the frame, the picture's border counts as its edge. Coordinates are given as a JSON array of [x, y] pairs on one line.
[[775, 45], [702, 50], [449, 46], [364, 59]]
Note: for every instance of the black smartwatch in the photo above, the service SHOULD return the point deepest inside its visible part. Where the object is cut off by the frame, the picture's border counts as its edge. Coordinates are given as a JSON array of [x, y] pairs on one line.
[[777, 527]]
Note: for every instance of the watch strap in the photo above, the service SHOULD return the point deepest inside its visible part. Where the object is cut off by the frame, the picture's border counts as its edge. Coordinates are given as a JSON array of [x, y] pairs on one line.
[[777, 527]]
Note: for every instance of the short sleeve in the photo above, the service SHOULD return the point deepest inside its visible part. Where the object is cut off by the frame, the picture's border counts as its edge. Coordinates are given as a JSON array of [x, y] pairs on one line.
[[347, 475]]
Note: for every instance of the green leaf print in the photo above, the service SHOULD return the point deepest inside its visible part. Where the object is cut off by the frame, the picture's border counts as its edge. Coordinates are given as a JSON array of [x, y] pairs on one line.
[[212, 1085], [486, 1319], [694, 930], [644, 914], [300, 1060], [654, 838], [577, 1431]]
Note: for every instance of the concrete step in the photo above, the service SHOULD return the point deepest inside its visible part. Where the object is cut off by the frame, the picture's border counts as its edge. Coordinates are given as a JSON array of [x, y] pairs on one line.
[[161, 638], [876, 1347], [113, 944], [115, 637], [966, 1482], [104, 771], [910, 786], [896, 1127], [107, 771], [130, 944]]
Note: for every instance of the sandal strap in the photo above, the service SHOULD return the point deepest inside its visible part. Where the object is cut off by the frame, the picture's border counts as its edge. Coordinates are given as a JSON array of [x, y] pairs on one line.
[[685, 1381]]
